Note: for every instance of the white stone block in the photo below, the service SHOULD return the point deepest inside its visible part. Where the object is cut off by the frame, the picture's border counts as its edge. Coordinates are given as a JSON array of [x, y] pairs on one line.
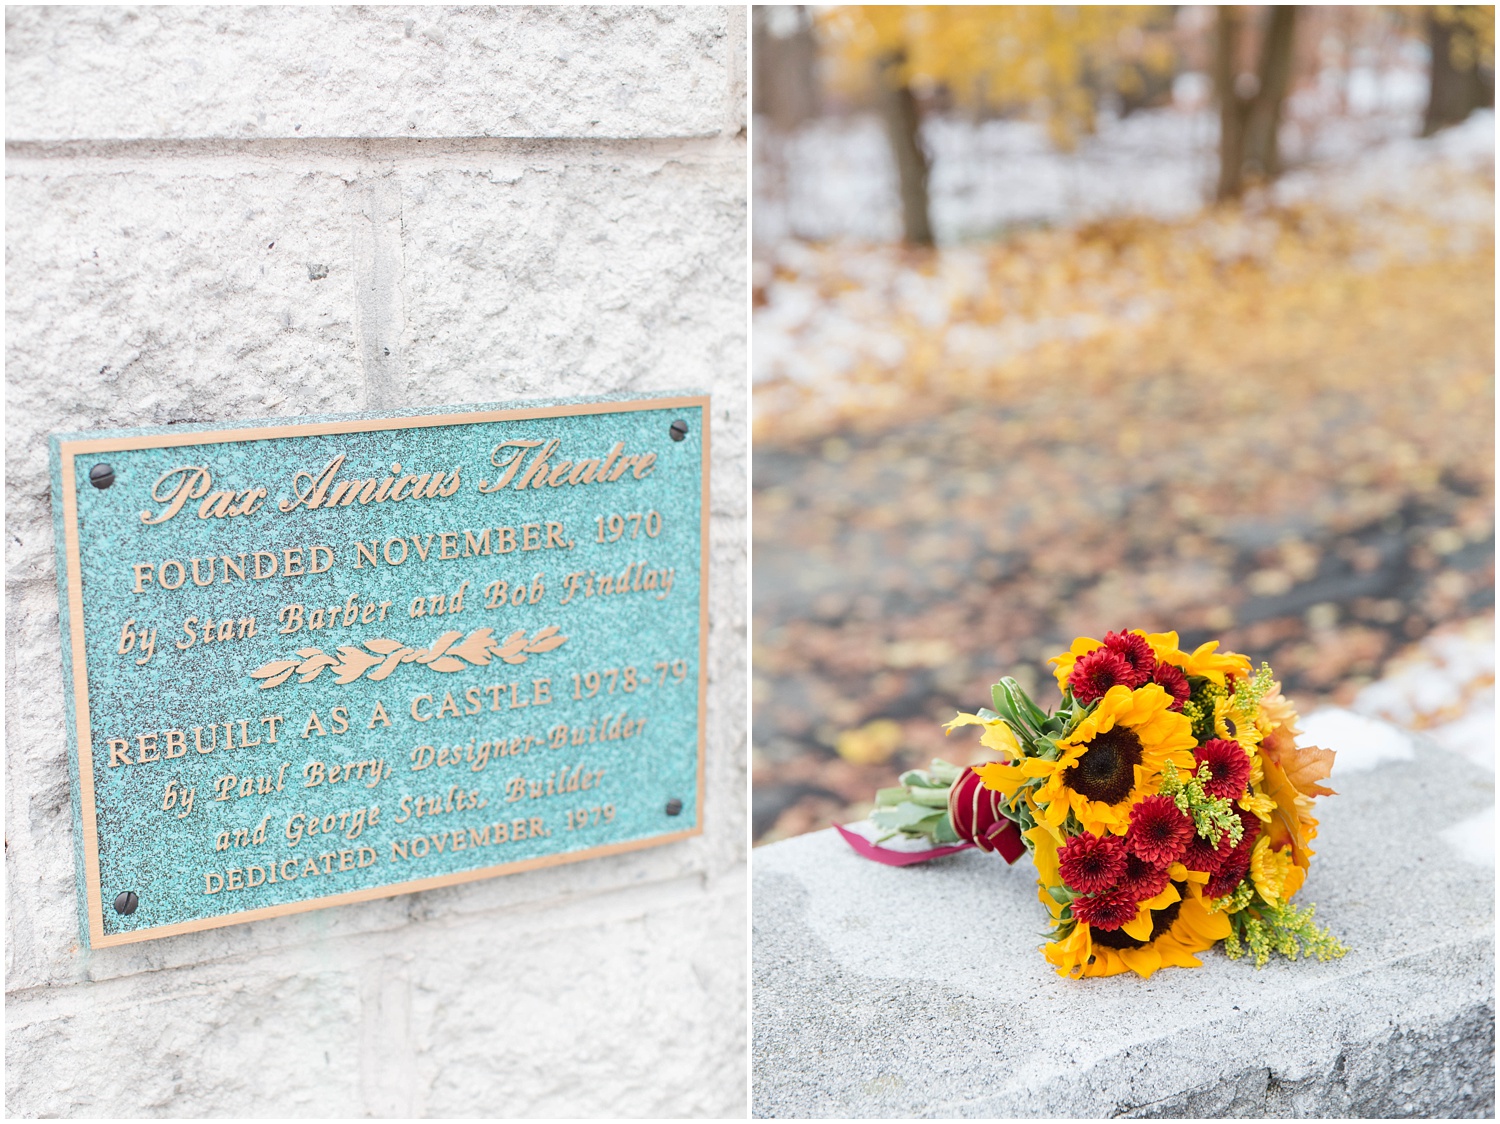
[[600, 265], [620, 1006], [142, 295], [919, 991], [166, 72]]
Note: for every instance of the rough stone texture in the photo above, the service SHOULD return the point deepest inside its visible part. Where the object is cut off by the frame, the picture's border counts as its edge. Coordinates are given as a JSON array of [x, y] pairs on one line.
[[146, 73], [153, 280], [884, 992]]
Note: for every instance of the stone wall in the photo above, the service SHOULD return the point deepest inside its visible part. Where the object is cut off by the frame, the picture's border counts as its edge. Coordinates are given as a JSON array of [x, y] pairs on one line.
[[229, 213]]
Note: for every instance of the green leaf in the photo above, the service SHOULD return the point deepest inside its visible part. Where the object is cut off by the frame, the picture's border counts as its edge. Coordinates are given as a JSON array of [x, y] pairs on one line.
[[930, 797], [1063, 931], [945, 772], [919, 778], [889, 797], [944, 832], [1022, 702], [903, 817]]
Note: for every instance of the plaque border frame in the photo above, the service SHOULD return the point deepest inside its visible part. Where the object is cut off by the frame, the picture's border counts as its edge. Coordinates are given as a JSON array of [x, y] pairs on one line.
[[69, 447]]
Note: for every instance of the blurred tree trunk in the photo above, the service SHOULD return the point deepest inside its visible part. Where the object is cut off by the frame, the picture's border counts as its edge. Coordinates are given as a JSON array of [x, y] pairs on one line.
[[1250, 103], [1231, 113], [898, 109], [785, 61], [1457, 86], [1262, 157]]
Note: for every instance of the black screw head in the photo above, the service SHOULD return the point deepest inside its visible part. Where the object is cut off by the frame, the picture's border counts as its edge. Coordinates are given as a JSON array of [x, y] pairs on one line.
[[101, 476], [674, 807], [126, 902], [678, 430]]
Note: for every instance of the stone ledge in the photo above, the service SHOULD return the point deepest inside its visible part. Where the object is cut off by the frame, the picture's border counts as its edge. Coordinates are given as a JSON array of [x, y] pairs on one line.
[[885, 992]]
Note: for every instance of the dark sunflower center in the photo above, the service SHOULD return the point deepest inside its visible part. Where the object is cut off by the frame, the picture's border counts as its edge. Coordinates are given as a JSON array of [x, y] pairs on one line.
[[1161, 921], [1106, 771]]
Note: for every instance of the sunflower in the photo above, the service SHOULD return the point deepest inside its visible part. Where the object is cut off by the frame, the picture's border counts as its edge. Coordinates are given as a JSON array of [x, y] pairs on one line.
[[1180, 927], [1110, 761]]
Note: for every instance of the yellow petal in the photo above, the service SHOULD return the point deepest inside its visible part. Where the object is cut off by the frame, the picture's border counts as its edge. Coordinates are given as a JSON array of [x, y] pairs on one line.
[[1141, 961], [1071, 954], [1268, 870], [1140, 928], [1168, 895], [1196, 922], [1107, 962], [1180, 873], [1081, 647], [1044, 854], [1174, 954], [998, 736], [1000, 777], [1260, 804], [1206, 662], [997, 733]]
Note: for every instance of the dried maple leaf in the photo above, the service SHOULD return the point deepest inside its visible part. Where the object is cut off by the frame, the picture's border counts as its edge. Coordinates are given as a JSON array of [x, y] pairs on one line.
[[1305, 766]]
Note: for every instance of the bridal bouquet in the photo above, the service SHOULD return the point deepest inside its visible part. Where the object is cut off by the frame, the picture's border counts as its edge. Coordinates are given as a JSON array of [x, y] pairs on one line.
[[1164, 801]]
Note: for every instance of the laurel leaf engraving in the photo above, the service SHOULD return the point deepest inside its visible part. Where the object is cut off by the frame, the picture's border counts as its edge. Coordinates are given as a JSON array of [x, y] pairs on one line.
[[476, 649], [512, 648], [392, 661], [439, 646], [313, 666], [541, 644], [380, 657], [354, 663], [275, 667]]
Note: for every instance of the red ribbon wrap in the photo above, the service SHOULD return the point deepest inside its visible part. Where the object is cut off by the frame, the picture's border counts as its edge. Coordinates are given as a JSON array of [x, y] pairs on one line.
[[975, 813]]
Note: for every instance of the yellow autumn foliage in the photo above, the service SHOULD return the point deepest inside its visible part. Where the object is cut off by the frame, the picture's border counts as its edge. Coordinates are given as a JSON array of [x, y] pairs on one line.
[[1047, 57], [1473, 30]]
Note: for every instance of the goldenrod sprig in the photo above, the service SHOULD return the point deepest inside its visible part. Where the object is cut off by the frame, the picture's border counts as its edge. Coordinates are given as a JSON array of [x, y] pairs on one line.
[[1264, 929], [1211, 815]]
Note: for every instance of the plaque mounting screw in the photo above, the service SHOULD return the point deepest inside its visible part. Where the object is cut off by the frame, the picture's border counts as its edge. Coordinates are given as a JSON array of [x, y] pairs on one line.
[[126, 902], [674, 807], [678, 430], [101, 476]]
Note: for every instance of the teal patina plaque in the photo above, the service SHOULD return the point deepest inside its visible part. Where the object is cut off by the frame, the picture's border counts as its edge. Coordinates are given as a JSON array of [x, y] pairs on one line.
[[312, 662]]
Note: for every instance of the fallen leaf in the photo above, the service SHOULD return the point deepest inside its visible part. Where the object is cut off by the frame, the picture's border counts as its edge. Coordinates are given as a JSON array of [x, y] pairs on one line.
[[1305, 766]]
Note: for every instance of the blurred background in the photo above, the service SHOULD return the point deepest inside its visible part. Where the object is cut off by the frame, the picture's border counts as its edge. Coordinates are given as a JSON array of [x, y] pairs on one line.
[[1078, 319]]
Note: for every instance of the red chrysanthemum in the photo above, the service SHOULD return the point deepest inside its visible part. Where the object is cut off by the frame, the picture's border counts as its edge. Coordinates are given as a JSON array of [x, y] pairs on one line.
[[1228, 877], [1142, 880], [1097, 672], [1230, 766], [1089, 863], [1250, 821], [1135, 651], [1159, 831], [1203, 856], [1106, 911], [1174, 682]]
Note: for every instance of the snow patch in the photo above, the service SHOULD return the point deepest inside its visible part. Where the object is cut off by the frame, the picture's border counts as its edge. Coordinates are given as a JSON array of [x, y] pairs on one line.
[[1474, 838], [1361, 742]]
